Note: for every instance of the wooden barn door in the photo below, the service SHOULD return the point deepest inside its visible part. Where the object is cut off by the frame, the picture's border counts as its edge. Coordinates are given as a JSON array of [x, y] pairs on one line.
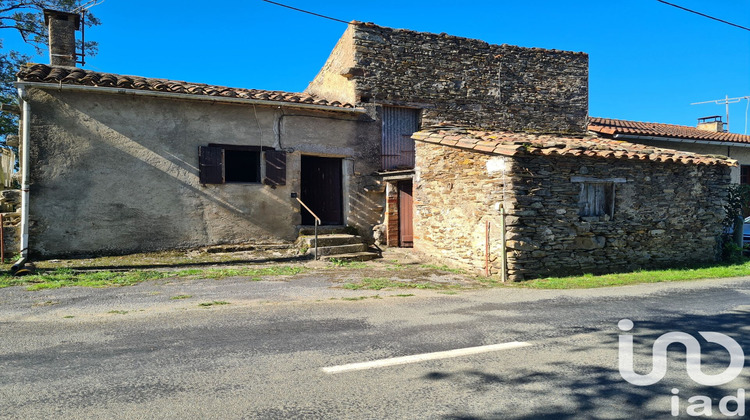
[[321, 189], [405, 214]]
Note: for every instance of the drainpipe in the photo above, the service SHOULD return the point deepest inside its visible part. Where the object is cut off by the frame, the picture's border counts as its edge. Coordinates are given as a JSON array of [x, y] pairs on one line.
[[25, 139]]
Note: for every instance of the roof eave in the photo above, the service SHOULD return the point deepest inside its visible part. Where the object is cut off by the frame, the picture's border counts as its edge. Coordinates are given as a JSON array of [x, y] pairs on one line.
[[679, 140], [184, 96]]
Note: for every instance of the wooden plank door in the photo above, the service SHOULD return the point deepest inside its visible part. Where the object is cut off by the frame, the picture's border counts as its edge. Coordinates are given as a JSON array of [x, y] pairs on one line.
[[321, 189], [405, 214]]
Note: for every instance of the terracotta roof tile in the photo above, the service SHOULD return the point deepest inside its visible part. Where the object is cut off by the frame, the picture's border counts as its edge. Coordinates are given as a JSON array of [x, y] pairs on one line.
[[611, 127], [74, 76], [519, 144]]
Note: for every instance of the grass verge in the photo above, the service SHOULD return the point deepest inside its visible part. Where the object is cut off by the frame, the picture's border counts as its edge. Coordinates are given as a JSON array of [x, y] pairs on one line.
[[64, 277], [650, 276], [381, 283]]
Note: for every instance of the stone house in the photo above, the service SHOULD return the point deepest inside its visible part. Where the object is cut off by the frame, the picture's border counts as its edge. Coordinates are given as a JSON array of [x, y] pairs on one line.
[[119, 164], [556, 205], [414, 80]]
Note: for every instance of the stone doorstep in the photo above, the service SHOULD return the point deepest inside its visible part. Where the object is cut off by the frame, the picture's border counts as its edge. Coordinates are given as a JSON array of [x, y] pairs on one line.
[[354, 256], [339, 249], [328, 240]]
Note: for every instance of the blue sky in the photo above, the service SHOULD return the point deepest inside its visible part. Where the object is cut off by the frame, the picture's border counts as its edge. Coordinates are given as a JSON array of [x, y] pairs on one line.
[[647, 61]]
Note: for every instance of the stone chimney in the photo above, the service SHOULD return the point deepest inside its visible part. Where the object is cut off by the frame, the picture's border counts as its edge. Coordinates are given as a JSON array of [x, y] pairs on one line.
[[712, 123], [62, 27]]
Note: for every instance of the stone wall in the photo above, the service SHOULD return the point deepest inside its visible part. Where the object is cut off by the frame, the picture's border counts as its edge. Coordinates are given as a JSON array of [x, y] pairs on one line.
[[665, 214], [458, 80]]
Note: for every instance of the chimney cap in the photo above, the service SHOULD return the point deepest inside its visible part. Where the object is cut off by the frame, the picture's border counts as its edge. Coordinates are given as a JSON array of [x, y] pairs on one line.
[[712, 118], [57, 14]]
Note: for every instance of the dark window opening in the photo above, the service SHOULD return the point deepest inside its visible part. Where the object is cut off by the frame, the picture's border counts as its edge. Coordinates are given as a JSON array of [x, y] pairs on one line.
[[221, 164], [241, 166], [744, 174]]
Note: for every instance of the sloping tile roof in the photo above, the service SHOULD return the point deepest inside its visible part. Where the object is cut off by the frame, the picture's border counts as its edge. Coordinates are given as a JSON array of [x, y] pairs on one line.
[[74, 76], [520, 144], [611, 127]]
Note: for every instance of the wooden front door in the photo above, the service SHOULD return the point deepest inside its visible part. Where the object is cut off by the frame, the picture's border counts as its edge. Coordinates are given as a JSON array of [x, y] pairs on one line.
[[405, 214], [321, 190]]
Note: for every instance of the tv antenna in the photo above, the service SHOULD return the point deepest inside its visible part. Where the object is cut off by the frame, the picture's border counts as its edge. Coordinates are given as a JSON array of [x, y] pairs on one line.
[[82, 9], [726, 101]]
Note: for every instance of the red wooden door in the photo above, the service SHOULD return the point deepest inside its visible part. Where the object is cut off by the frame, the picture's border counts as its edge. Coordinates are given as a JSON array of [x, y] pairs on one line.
[[405, 214]]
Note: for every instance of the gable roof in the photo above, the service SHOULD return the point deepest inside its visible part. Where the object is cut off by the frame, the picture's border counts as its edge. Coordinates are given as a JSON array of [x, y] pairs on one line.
[[612, 127], [59, 75], [524, 144]]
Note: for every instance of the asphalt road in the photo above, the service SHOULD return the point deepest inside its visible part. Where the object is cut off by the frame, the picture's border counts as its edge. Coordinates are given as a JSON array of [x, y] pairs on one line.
[[134, 353]]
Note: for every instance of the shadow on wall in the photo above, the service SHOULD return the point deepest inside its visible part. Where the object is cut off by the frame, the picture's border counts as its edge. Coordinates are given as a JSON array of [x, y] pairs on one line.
[[140, 189]]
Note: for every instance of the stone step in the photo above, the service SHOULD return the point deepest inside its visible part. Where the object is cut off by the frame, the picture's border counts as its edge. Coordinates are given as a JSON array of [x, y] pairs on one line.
[[338, 249], [322, 230], [328, 240], [354, 256]]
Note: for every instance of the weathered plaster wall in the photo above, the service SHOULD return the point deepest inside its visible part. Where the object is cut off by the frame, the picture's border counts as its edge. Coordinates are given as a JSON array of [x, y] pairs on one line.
[[462, 81], [665, 214], [117, 173]]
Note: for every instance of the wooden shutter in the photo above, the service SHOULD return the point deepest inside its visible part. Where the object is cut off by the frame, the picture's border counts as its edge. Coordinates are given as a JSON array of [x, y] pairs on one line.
[[211, 163], [275, 168]]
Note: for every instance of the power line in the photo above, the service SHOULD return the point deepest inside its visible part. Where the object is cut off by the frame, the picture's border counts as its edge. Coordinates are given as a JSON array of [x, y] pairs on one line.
[[704, 15], [305, 11]]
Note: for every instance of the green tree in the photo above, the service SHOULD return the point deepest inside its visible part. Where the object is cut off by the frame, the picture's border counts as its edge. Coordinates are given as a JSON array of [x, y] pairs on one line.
[[27, 18]]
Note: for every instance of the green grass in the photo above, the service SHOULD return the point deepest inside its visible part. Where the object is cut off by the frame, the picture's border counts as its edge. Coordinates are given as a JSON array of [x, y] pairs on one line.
[[181, 297], [406, 295], [64, 277], [380, 283], [118, 312], [650, 276], [214, 303]]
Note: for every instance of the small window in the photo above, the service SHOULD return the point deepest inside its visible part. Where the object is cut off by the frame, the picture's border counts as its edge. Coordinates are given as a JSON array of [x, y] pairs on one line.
[[226, 164], [744, 174], [241, 166], [596, 199]]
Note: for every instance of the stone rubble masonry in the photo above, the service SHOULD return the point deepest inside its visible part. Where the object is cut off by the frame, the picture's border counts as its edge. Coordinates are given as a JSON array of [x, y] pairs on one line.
[[665, 214], [458, 80]]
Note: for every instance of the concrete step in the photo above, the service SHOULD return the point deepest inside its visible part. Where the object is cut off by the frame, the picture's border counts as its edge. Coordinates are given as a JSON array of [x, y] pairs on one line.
[[338, 249], [354, 256], [328, 240], [322, 230]]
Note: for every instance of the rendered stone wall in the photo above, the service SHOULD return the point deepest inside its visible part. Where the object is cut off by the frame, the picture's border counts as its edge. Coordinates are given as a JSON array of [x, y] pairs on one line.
[[113, 174], [465, 81], [666, 214]]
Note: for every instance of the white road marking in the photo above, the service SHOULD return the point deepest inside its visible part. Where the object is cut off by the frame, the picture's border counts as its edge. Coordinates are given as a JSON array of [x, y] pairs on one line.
[[424, 357]]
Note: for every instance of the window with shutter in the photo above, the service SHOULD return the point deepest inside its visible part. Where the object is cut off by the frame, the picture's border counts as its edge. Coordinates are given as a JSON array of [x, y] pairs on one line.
[[596, 199], [211, 163], [226, 164], [275, 168]]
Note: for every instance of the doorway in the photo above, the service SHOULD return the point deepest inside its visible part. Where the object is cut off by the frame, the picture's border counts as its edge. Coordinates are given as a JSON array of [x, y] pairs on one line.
[[321, 189], [405, 214]]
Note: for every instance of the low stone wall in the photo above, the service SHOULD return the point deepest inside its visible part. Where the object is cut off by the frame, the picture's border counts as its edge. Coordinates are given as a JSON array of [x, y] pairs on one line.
[[11, 233], [665, 214]]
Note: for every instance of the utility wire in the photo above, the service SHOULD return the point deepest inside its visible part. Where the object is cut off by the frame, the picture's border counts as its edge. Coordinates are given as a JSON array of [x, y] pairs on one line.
[[704, 15], [305, 11]]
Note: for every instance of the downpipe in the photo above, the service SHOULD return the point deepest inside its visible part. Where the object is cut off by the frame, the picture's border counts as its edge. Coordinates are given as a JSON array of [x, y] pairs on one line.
[[18, 266]]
